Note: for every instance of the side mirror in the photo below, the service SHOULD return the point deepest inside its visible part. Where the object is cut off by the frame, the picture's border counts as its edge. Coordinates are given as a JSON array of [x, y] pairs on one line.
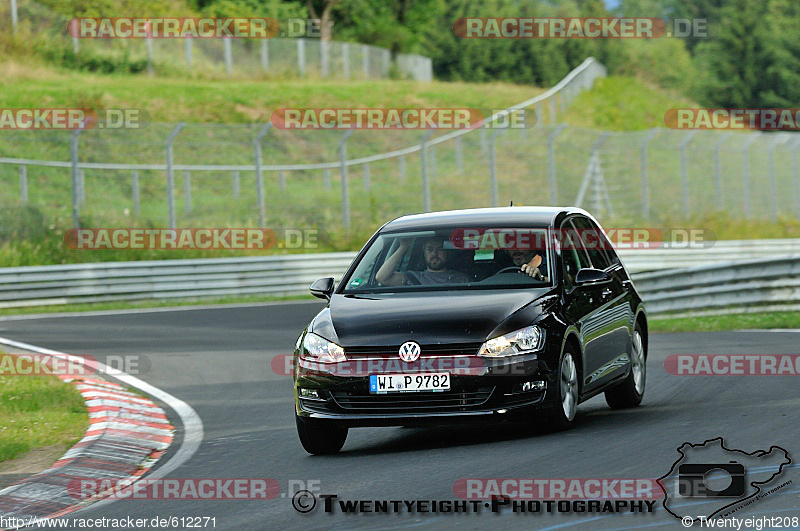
[[322, 288], [590, 276]]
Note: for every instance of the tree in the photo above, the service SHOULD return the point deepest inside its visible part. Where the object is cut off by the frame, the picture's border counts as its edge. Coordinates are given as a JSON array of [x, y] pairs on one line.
[[710, 11], [326, 8], [783, 75], [250, 8], [733, 63], [400, 25]]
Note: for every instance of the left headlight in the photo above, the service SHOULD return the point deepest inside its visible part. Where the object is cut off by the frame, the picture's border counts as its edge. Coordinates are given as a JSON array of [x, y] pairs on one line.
[[318, 349], [527, 339]]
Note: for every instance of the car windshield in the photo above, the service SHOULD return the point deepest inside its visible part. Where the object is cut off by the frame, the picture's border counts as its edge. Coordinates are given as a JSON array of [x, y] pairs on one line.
[[453, 258]]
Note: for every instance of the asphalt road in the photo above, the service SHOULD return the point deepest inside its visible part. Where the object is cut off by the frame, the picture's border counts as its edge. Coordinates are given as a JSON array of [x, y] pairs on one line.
[[218, 361]]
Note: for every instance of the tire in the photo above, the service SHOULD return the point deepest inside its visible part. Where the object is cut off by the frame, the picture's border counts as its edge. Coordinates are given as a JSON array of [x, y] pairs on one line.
[[630, 392], [568, 387], [320, 440]]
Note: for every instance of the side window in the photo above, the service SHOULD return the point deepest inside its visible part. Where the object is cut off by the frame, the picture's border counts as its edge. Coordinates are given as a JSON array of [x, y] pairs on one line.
[[405, 262], [612, 255], [573, 255], [593, 240], [364, 274], [608, 248]]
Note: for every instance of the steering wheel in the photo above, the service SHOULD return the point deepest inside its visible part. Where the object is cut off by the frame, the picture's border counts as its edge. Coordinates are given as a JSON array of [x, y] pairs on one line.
[[509, 269]]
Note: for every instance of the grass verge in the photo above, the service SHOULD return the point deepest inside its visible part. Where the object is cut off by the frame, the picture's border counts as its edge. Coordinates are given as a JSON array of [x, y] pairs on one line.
[[622, 103], [39, 411], [231, 100], [718, 323]]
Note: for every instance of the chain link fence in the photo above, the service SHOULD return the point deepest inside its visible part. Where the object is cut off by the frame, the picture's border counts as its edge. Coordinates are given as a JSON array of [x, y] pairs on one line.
[[258, 175], [278, 57], [636, 176], [193, 175]]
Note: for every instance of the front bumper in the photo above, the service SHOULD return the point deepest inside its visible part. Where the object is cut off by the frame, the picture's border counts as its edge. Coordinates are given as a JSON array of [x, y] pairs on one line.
[[491, 391]]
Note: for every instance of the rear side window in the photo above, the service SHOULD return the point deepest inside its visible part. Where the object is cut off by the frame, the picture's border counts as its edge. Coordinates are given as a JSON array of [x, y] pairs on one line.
[[593, 240], [608, 248]]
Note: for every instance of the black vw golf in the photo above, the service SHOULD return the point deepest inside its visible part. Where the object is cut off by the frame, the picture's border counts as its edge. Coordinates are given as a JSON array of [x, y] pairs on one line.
[[514, 313]]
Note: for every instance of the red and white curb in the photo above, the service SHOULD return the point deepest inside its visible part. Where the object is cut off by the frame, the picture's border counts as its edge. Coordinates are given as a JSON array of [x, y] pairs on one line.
[[127, 435]]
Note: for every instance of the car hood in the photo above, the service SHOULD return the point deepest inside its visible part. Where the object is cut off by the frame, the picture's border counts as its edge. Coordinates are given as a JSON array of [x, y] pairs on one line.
[[428, 318]]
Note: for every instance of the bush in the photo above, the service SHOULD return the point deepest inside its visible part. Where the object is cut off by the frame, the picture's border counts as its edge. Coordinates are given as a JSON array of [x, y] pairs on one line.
[[663, 61]]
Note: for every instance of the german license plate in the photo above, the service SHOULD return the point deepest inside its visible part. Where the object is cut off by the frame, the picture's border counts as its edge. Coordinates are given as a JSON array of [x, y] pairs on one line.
[[404, 383]]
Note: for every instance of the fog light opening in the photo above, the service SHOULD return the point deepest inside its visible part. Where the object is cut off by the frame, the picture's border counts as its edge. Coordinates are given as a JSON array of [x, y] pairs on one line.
[[309, 393], [537, 385]]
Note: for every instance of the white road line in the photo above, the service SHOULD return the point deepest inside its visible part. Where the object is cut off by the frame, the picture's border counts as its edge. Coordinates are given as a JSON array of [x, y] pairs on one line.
[[785, 330], [192, 424]]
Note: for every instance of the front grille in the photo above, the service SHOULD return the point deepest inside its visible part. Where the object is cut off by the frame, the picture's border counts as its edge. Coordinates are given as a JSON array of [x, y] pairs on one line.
[[316, 406], [521, 399], [450, 349], [421, 402]]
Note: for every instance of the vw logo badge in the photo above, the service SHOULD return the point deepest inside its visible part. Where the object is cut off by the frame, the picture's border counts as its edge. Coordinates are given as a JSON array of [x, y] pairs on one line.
[[409, 351]]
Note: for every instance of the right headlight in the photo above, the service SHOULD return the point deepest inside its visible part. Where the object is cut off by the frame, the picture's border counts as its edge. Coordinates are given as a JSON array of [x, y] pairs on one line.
[[319, 349], [521, 341]]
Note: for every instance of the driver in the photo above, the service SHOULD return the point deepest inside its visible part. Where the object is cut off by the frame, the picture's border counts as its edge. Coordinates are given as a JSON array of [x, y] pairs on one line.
[[435, 271], [530, 262]]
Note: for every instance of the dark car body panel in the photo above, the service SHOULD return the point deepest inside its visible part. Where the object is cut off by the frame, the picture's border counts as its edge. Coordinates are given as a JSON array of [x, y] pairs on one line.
[[395, 318], [599, 319]]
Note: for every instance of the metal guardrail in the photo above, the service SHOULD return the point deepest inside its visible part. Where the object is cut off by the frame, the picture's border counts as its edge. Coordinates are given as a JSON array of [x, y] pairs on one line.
[[166, 279], [642, 260], [729, 276], [734, 285]]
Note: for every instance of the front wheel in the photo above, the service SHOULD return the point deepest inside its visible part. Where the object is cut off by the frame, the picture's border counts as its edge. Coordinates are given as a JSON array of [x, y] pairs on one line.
[[630, 392], [567, 392], [320, 440]]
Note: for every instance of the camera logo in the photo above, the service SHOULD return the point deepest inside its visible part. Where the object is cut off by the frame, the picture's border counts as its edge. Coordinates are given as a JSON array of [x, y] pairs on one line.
[[695, 480], [710, 480]]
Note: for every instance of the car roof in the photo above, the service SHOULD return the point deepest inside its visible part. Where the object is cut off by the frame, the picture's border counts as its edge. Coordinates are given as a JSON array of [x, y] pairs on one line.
[[522, 216]]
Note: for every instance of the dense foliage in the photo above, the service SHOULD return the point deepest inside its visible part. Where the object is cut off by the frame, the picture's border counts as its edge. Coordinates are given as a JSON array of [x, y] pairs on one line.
[[750, 57]]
